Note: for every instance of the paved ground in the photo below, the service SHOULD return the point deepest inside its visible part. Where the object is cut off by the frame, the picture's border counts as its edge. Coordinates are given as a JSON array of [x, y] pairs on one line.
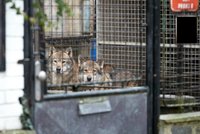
[[17, 132]]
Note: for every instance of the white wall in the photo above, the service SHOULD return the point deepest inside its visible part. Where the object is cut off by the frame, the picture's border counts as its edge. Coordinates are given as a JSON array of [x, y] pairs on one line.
[[12, 80]]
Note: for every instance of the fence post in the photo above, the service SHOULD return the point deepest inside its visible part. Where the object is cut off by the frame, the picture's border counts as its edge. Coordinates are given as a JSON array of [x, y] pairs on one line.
[[153, 64]]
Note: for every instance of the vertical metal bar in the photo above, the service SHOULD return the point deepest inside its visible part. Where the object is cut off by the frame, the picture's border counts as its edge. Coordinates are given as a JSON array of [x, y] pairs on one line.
[[42, 53], [38, 52], [28, 56], [153, 64], [97, 8], [149, 66], [156, 68], [180, 60], [38, 87], [2, 36], [28, 68]]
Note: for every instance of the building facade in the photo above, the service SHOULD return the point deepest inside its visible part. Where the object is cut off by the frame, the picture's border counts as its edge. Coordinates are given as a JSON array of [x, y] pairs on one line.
[[11, 79]]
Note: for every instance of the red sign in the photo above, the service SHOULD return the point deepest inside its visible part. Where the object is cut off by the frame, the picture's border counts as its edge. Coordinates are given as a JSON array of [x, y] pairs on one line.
[[184, 5]]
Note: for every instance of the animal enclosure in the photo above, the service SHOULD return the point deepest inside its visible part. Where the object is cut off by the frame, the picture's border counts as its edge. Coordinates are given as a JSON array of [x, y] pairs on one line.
[[100, 68], [109, 36], [180, 60], [102, 44]]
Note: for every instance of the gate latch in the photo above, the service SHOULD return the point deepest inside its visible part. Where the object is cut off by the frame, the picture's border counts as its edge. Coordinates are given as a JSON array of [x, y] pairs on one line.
[[39, 77], [22, 61]]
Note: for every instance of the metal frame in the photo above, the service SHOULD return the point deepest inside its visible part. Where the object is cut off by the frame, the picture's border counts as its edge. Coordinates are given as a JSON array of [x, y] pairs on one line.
[[179, 88], [153, 64], [2, 36], [152, 68], [98, 93], [28, 60], [28, 50]]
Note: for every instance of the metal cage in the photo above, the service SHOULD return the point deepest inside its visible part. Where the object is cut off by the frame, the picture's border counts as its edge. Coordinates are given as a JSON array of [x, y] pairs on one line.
[[109, 45], [114, 31], [121, 36], [108, 31], [180, 61]]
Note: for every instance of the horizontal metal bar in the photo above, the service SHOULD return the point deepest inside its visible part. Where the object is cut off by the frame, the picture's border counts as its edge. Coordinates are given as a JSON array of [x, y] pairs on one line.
[[129, 90], [181, 105], [92, 83], [88, 37], [122, 43], [185, 45]]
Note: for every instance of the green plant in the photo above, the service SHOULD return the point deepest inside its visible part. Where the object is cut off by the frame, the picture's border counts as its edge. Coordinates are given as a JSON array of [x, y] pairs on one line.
[[25, 117], [39, 16]]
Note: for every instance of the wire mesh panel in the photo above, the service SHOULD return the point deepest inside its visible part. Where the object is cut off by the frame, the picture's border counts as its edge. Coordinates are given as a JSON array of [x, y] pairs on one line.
[[77, 22], [68, 37], [121, 34], [180, 60], [101, 44]]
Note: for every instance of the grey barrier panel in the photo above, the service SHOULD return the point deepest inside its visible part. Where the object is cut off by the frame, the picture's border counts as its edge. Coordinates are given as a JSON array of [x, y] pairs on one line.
[[108, 114]]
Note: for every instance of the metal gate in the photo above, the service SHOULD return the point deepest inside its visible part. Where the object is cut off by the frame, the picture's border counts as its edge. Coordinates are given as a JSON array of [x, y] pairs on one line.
[[102, 67]]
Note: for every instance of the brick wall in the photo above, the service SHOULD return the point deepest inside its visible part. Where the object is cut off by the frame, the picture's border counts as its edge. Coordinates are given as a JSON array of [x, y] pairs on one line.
[[12, 81]]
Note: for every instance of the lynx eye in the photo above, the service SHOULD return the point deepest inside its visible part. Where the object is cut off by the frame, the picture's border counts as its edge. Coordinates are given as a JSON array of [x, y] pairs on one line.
[[55, 61], [64, 61], [85, 70]]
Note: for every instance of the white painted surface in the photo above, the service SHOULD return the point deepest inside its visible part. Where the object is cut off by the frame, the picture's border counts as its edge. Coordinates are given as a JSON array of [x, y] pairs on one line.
[[12, 80]]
